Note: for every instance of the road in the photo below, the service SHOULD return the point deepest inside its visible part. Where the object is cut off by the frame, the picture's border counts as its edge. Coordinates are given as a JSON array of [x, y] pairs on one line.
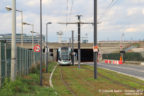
[[136, 71]]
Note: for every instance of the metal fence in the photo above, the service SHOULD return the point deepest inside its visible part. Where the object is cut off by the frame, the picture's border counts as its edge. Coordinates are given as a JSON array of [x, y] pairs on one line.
[[25, 59]]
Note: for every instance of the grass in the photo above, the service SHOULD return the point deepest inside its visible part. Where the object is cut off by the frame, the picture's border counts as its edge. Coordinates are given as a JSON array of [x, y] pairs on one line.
[[70, 81], [80, 82], [29, 85]]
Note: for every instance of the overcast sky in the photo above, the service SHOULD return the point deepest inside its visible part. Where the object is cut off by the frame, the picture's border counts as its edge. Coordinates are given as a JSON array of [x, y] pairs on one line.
[[117, 17]]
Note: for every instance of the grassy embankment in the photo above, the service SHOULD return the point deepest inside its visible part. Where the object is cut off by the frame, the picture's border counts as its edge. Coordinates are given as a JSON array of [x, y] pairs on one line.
[[29, 85], [71, 81]]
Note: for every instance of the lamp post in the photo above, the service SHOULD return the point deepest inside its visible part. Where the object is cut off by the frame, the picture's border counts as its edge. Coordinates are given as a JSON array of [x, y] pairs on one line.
[[47, 45], [13, 45], [32, 35], [33, 42], [10, 9], [24, 23], [38, 35]]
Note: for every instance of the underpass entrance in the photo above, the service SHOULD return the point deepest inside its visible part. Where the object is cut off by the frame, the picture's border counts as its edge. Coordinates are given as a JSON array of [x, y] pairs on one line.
[[86, 55]]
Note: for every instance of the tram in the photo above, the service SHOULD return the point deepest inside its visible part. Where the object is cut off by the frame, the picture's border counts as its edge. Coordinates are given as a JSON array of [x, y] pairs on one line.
[[64, 56]]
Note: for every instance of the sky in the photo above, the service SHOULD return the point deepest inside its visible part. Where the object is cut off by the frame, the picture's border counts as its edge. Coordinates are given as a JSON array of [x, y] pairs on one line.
[[115, 17]]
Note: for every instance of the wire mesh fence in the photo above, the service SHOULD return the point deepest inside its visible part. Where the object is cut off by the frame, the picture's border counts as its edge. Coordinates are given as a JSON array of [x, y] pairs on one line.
[[25, 59]]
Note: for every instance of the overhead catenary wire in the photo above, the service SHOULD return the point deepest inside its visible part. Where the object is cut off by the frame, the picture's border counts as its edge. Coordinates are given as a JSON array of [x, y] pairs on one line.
[[66, 16], [69, 10], [139, 37], [108, 8], [112, 3]]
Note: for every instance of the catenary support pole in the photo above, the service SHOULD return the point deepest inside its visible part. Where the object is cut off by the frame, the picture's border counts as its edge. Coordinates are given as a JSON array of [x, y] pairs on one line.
[[79, 40], [41, 42], [95, 38], [72, 47]]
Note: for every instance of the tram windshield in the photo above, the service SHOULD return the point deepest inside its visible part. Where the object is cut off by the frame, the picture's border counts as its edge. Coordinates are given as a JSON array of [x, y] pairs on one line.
[[65, 54]]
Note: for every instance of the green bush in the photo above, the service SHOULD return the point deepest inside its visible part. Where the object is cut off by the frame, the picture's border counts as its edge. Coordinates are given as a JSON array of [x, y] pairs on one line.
[[128, 56], [133, 57], [10, 88], [33, 69], [27, 85], [114, 56]]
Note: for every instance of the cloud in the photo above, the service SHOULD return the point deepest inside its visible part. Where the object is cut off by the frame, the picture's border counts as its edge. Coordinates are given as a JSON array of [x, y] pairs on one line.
[[131, 30], [132, 11], [137, 1], [143, 11], [37, 2], [123, 16], [135, 11], [134, 28]]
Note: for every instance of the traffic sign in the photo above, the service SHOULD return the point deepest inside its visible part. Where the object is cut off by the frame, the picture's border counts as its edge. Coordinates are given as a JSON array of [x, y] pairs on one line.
[[37, 48], [95, 48]]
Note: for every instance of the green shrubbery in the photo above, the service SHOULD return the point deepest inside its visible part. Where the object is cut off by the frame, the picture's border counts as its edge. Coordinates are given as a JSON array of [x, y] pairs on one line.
[[18, 86], [133, 57], [27, 85], [114, 56], [128, 56], [22, 84]]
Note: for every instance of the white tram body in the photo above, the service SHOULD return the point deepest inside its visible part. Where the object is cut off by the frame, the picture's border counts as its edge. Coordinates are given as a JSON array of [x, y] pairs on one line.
[[64, 56]]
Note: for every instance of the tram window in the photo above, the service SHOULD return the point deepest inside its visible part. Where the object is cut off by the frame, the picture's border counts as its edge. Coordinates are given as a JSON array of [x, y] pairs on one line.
[[51, 54]]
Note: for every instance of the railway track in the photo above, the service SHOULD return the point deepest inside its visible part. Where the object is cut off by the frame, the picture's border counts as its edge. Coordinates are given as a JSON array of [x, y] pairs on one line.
[[86, 81], [72, 79], [66, 83]]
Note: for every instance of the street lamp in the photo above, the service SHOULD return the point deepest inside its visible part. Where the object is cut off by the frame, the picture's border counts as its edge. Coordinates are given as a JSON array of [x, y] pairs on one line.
[[37, 36], [10, 9], [24, 23], [13, 45], [46, 44]]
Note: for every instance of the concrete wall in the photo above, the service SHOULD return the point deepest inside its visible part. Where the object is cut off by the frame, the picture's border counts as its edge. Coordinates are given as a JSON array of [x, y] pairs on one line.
[[104, 47]]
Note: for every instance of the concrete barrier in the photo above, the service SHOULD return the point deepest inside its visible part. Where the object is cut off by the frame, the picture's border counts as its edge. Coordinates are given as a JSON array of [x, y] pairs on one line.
[[106, 61], [113, 62]]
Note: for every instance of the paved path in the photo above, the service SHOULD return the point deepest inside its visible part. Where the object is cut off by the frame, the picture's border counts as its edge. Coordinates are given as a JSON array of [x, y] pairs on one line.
[[131, 70]]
